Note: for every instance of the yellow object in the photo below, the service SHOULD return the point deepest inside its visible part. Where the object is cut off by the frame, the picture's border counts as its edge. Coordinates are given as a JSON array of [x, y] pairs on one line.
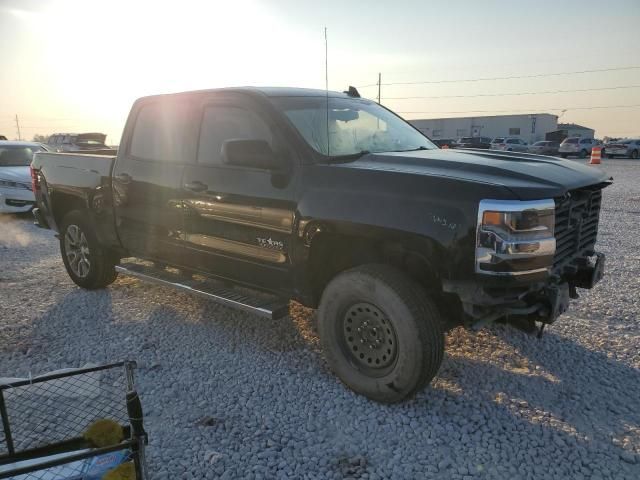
[[124, 471], [104, 433]]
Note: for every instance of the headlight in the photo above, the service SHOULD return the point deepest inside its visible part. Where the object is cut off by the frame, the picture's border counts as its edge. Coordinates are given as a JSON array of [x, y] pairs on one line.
[[12, 184], [515, 237]]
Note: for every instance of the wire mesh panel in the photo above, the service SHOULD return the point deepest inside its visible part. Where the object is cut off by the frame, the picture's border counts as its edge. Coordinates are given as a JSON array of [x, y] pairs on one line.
[[72, 425], [62, 408]]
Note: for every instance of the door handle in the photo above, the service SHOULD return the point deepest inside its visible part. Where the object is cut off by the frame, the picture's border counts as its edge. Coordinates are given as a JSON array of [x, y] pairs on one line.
[[196, 186], [123, 177]]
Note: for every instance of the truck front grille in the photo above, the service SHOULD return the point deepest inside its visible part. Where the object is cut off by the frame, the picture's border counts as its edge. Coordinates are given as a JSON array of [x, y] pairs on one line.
[[576, 228]]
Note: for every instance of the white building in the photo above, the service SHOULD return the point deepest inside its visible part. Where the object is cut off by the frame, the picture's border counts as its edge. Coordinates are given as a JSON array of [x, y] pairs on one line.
[[575, 130], [529, 127]]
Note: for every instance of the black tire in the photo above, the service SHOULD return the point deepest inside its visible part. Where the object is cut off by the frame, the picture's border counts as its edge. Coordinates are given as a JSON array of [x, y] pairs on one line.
[[564, 155], [634, 154], [95, 265], [583, 153], [399, 311], [610, 156]]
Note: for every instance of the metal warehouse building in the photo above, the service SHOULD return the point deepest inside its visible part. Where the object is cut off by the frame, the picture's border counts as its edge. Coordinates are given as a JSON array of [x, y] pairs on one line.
[[574, 130], [530, 127]]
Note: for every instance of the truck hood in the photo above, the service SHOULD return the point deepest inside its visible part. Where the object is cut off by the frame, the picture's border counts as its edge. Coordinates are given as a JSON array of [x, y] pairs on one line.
[[16, 174], [527, 176]]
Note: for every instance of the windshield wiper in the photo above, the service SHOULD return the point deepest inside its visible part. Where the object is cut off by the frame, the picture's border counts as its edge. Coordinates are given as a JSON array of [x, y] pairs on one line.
[[421, 147], [349, 156]]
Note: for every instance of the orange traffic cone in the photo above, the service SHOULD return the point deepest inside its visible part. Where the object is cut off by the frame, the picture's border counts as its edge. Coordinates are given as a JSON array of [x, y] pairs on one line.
[[596, 154]]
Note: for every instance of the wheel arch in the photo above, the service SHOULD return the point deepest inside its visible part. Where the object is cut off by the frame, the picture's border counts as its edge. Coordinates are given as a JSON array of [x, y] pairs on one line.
[[63, 203], [336, 247]]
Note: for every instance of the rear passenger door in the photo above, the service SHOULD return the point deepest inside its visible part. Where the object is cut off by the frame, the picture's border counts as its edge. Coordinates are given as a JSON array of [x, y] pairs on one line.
[[147, 177], [238, 220]]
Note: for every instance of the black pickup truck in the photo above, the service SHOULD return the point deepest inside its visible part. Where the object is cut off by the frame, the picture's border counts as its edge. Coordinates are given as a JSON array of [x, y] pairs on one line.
[[256, 196]]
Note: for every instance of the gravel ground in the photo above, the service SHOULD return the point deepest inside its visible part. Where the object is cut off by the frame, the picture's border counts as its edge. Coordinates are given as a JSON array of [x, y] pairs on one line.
[[230, 395]]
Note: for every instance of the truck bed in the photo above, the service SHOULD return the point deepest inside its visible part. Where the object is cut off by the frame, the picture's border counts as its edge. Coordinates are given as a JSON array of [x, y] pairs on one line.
[[88, 162], [74, 180]]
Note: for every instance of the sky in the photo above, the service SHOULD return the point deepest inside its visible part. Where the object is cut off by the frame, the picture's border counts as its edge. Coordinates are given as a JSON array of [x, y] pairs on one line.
[[78, 65]]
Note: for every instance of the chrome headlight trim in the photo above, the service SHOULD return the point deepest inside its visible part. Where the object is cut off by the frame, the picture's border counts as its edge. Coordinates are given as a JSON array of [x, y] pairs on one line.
[[512, 249]]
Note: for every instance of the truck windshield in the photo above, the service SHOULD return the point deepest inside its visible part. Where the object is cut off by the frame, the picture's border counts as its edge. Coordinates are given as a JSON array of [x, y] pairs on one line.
[[355, 126]]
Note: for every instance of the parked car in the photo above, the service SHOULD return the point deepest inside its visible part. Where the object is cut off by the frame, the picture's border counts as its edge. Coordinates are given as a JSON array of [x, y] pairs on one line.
[[509, 144], [73, 142], [449, 142], [544, 147], [474, 142], [577, 146], [16, 194], [347, 209], [623, 148]]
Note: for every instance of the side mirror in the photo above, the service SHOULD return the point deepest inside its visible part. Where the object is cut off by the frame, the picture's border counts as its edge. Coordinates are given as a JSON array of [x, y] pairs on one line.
[[250, 153]]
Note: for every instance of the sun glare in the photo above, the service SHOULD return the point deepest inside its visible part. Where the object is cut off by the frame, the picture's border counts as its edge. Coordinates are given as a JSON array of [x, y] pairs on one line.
[[113, 55]]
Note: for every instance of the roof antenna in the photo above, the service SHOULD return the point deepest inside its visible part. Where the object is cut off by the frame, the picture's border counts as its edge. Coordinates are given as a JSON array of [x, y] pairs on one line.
[[326, 85], [353, 92]]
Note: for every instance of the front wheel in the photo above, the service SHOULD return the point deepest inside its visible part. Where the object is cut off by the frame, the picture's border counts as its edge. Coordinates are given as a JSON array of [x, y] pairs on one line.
[[564, 155], [88, 264], [380, 332], [634, 154], [583, 153]]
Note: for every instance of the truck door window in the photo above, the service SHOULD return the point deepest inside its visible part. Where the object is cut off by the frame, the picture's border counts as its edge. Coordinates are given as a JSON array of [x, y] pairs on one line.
[[221, 123], [160, 131]]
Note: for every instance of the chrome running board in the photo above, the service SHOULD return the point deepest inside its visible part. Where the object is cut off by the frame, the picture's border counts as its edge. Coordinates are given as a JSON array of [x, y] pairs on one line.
[[264, 305]]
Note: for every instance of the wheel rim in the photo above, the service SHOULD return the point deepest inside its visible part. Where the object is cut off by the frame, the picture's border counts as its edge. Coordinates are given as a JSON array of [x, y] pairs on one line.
[[76, 249], [369, 338]]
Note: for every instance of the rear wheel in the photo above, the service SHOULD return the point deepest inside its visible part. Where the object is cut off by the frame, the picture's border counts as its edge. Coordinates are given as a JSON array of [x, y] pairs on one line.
[[610, 156], [564, 155], [88, 264], [380, 332]]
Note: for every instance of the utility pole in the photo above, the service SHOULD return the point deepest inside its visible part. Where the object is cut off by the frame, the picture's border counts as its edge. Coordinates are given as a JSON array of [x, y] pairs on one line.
[[18, 127], [326, 61], [379, 85]]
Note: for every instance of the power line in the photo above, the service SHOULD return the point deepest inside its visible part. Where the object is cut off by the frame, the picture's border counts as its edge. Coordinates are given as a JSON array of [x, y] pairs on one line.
[[513, 77], [529, 110], [516, 93]]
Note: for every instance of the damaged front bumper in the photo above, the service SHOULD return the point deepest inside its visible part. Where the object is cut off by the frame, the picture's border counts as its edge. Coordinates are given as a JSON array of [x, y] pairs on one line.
[[541, 299]]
